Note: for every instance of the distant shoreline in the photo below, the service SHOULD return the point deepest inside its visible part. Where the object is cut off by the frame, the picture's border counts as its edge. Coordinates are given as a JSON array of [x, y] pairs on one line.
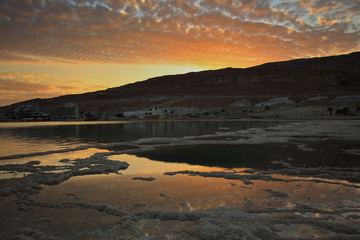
[[195, 119]]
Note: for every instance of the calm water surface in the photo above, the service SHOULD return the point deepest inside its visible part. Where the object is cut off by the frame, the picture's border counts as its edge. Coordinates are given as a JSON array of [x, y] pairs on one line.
[[291, 193], [24, 138]]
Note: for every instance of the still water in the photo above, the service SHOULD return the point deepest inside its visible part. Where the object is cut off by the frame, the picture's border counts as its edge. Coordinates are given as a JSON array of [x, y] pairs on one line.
[[274, 190], [23, 138]]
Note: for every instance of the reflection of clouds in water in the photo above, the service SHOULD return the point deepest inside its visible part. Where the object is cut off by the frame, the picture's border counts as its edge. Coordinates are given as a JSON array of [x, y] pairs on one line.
[[54, 159], [315, 202], [294, 198], [25, 138], [209, 191], [30, 145], [139, 165]]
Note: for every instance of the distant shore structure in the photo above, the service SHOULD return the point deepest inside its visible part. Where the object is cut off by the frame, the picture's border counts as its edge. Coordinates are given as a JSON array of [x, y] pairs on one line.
[[151, 113], [70, 111], [274, 101]]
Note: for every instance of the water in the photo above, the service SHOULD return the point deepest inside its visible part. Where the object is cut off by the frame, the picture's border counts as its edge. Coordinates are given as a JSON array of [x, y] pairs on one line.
[[24, 138], [267, 179]]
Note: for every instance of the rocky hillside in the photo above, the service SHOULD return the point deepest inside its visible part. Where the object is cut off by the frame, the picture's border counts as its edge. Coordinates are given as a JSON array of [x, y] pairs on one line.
[[296, 79], [301, 76]]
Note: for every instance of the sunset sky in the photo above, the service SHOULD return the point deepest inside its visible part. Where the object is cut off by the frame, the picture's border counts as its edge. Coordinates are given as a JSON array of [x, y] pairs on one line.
[[56, 47]]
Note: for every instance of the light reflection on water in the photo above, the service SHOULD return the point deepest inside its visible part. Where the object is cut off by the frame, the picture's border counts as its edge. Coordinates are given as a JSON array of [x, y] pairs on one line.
[[21, 138], [190, 193], [176, 193], [185, 193], [142, 166], [54, 159], [179, 192]]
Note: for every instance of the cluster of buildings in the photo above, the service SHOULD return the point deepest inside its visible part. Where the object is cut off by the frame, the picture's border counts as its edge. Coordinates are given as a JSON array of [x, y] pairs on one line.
[[151, 113], [27, 113], [164, 113], [240, 108], [344, 105], [156, 113], [275, 101], [70, 111]]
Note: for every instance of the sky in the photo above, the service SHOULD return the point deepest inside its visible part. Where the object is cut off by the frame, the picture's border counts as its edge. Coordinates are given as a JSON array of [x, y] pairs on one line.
[[50, 48]]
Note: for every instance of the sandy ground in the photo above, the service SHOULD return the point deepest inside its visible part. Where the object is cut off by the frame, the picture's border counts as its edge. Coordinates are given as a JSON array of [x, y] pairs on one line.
[[294, 181]]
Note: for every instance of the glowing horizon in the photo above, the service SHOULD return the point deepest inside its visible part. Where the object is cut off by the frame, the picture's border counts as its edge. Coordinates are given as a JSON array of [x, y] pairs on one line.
[[52, 48]]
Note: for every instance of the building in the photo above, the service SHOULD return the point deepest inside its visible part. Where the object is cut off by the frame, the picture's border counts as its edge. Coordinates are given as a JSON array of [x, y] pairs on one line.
[[70, 111], [151, 113], [133, 114], [275, 101], [24, 113], [241, 103], [27, 110]]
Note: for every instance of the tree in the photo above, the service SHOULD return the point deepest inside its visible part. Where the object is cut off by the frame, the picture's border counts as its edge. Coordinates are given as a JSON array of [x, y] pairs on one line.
[[119, 115], [330, 110], [342, 111]]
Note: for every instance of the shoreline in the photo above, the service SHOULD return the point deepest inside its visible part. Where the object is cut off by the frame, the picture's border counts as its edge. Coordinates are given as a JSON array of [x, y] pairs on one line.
[[255, 118]]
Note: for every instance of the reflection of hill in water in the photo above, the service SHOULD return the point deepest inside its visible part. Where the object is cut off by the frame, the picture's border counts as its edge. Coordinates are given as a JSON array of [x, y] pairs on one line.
[[258, 156], [107, 133]]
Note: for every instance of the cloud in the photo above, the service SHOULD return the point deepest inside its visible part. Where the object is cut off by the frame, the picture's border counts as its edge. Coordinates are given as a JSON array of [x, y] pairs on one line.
[[7, 98], [14, 85], [19, 87], [239, 33]]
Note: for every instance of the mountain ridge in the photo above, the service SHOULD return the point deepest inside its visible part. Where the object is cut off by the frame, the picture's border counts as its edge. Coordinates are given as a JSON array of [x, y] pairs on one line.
[[332, 75]]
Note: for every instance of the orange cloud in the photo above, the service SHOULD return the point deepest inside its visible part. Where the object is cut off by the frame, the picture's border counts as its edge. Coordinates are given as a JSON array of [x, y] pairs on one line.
[[200, 34], [100, 31], [18, 86]]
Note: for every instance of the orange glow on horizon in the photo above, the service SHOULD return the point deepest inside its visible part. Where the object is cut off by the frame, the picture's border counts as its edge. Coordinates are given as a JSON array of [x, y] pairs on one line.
[[80, 46], [63, 79]]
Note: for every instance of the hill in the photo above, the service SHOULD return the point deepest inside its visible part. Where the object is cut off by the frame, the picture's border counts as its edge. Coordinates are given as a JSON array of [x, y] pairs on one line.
[[296, 79]]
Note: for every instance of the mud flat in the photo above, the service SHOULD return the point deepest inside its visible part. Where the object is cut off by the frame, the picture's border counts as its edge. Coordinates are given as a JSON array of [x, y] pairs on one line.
[[293, 181]]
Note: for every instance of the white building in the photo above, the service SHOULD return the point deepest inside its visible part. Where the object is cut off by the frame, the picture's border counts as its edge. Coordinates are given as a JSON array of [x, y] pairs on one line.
[[317, 98], [151, 113], [240, 103], [27, 110], [70, 111], [133, 114], [275, 101]]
